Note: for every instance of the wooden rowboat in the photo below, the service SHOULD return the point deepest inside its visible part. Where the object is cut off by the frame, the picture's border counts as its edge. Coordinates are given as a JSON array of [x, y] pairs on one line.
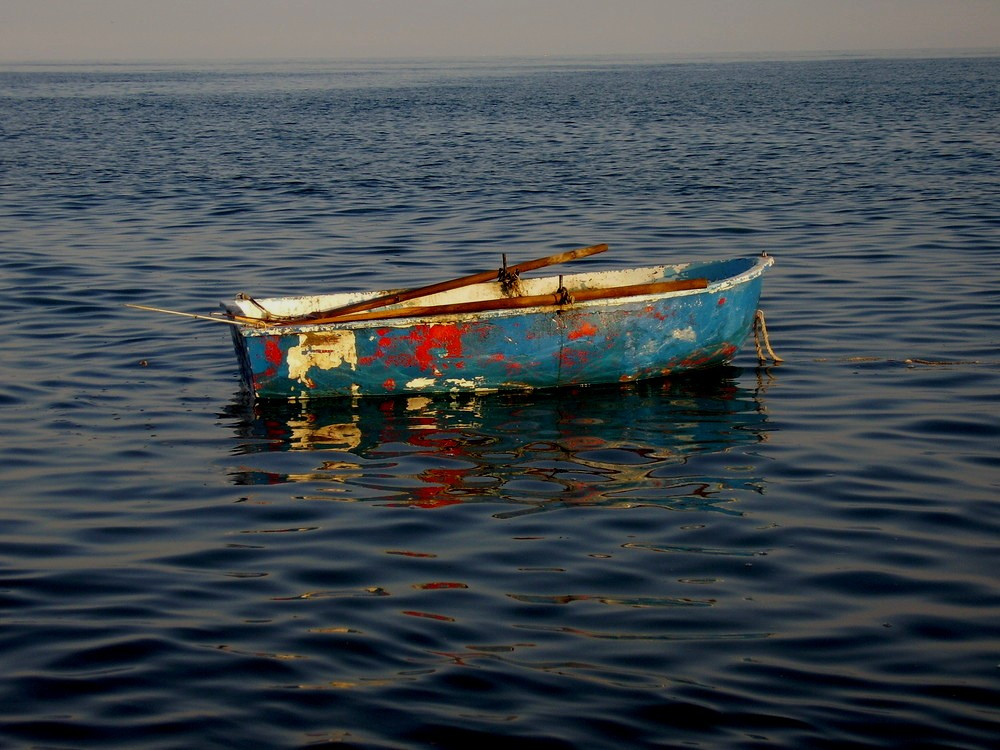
[[498, 331]]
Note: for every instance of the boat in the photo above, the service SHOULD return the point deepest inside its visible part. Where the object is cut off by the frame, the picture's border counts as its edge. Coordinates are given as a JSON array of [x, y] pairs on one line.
[[499, 330]]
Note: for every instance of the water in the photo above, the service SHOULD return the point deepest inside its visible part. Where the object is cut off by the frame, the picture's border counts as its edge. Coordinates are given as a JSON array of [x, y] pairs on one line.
[[798, 556]]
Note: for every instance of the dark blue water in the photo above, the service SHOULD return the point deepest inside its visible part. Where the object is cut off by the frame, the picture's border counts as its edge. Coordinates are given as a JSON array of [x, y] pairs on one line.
[[797, 556]]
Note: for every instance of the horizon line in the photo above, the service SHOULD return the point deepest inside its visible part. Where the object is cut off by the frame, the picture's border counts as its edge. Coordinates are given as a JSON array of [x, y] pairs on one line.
[[737, 54]]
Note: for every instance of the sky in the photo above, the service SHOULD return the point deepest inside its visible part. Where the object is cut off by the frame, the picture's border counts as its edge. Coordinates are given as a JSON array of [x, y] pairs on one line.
[[63, 30]]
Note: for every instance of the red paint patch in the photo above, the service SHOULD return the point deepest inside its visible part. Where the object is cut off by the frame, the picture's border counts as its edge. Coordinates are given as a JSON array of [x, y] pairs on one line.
[[385, 343], [694, 362], [584, 330], [389, 385], [573, 357], [497, 358], [434, 338], [272, 352], [723, 353], [722, 301], [384, 340]]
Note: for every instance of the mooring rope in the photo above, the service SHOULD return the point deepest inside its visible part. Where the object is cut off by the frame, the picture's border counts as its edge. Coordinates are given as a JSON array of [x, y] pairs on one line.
[[762, 341], [510, 279], [907, 362], [760, 333]]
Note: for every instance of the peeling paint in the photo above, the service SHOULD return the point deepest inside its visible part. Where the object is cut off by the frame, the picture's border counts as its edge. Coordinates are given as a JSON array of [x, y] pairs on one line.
[[323, 350], [420, 383], [683, 334], [462, 382]]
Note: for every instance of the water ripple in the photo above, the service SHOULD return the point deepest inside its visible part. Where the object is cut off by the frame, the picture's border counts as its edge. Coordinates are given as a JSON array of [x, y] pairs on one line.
[[796, 556]]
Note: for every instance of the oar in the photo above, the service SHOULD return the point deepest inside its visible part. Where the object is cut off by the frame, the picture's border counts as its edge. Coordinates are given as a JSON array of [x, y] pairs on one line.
[[444, 286], [511, 303], [234, 321]]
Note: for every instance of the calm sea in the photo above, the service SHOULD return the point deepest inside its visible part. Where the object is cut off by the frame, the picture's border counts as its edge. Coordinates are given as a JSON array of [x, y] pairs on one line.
[[797, 556]]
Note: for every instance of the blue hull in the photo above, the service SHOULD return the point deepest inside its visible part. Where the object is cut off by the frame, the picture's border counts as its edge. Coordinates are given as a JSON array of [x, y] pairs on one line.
[[599, 342]]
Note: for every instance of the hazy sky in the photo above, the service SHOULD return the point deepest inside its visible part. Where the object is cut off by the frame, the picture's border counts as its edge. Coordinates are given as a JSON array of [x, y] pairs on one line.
[[199, 29]]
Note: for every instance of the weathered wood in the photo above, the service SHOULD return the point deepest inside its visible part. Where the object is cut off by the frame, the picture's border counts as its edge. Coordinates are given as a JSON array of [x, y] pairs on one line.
[[511, 303], [443, 286]]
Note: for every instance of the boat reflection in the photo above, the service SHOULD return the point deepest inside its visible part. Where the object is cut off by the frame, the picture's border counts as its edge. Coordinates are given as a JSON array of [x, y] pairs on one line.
[[652, 443]]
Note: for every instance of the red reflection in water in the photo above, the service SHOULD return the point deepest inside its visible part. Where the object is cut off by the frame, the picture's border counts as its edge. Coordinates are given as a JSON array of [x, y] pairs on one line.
[[440, 585], [428, 615]]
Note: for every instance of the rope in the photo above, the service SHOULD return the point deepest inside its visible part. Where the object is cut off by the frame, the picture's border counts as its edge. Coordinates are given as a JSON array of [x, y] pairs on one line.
[[509, 279], [759, 334], [911, 362], [907, 362], [510, 282]]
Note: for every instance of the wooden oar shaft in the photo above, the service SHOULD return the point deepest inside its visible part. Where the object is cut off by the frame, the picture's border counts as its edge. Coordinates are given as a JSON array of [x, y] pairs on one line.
[[446, 286], [512, 303]]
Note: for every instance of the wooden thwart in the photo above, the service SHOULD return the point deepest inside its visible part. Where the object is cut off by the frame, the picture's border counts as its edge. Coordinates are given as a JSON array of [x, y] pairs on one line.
[[326, 316], [511, 303]]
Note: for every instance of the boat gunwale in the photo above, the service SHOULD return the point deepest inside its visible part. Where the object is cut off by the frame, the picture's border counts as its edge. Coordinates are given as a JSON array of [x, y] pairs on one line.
[[761, 264]]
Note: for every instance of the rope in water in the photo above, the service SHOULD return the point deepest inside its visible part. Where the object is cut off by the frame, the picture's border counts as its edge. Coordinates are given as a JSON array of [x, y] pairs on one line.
[[907, 362], [762, 341], [759, 334]]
